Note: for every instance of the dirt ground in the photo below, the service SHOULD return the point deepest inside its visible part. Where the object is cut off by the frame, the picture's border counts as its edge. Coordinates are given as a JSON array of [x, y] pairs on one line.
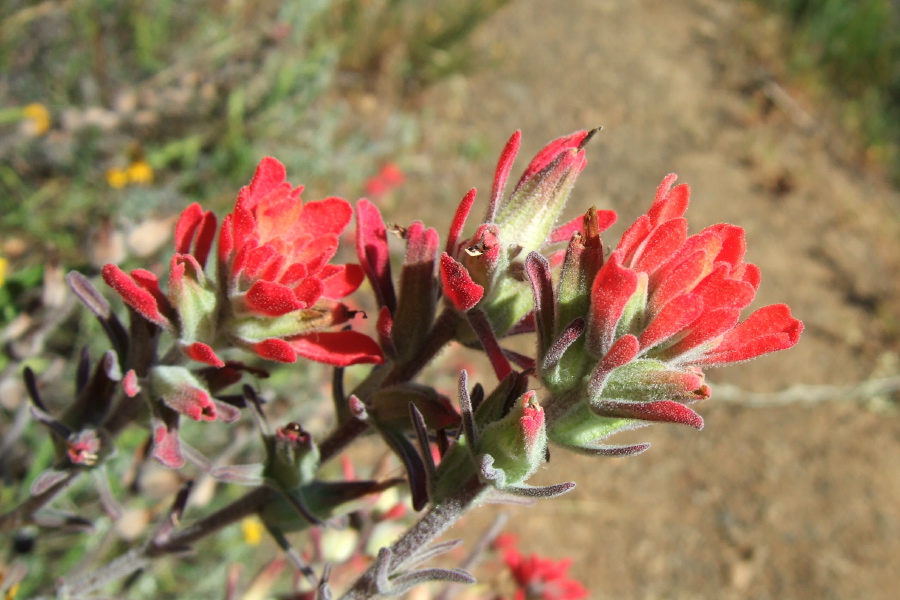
[[798, 501]]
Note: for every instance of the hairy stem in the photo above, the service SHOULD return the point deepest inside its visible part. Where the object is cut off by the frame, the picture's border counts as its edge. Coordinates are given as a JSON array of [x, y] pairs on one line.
[[441, 333], [436, 521], [21, 515], [248, 504]]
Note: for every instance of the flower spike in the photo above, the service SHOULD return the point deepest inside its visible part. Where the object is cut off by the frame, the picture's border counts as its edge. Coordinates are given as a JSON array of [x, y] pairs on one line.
[[662, 307]]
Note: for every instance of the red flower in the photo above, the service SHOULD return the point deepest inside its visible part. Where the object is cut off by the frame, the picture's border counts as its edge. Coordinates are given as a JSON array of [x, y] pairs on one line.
[[623, 343], [274, 249], [485, 269], [681, 296], [274, 254], [539, 578], [276, 292], [389, 177]]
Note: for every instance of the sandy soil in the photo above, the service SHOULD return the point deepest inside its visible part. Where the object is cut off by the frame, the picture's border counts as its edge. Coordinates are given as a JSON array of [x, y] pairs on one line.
[[799, 501]]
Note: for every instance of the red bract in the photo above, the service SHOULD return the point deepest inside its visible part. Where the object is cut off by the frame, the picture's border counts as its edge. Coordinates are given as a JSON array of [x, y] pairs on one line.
[[274, 250], [274, 254], [682, 296], [623, 342], [276, 291], [541, 578], [484, 271]]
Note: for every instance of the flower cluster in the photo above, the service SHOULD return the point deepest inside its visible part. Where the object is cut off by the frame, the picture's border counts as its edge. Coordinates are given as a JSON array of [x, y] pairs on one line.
[[623, 341], [275, 293], [537, 577], [484, 271]]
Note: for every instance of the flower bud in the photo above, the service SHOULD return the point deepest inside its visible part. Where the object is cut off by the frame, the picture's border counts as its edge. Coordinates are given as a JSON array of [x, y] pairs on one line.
[[294, 457], [486, 270], [517, 443], [181, 391]]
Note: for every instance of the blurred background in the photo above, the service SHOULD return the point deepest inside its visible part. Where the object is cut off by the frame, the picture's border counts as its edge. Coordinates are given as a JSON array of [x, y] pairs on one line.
[[782, 115]]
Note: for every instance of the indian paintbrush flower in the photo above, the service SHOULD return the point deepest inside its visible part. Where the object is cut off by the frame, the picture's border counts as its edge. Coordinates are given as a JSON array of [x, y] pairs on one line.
[[623, 342], [275, 293], [538, 577], [503, 442], [274, 268], [486, 270]]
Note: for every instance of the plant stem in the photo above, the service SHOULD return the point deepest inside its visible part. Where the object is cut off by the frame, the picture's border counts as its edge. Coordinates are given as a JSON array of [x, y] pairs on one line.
[[436, 521], [21, 515], [343, 435], [246, 505], [441, 333]]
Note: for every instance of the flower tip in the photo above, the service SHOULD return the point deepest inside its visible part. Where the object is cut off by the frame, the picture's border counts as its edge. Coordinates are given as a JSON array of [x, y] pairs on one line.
[[458, 285], [276, 349], [134, 292], [532, 419], [588, 135], [166, 445], [203, 353], [130, 384]]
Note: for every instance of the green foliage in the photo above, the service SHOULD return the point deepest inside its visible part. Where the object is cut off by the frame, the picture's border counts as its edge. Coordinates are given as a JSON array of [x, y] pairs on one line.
[[12, 291], [417, 41], [857, 45], [199, 90]]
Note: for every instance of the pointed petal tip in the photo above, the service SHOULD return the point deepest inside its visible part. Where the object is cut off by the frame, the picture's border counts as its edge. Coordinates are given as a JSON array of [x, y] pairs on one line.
[[458, 285]]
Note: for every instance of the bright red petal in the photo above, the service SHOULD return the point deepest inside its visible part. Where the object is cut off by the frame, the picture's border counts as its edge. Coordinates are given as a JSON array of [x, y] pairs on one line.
[[669, 204], [134, 296], [269, 174], [373, 253], [660, 245], [275, 349], [338, 349], [271, 299], [611, 290], [459, 219], [673, 318], [769, 329], [501, 174], [341, 280], [202, 353], [186, 227], [324, 217], [205, 236], [549, 153], [309, 291], [458, 285]]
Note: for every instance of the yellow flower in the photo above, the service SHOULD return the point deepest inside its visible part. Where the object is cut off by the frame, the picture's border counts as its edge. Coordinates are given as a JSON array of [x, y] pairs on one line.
[[252, 529], [140, 171], [39, 116], [4, 264], [117, 178]]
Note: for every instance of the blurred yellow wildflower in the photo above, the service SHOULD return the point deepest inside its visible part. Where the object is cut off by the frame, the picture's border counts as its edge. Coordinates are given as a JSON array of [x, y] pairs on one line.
[[252, 529], [11, 592], [117, 178], [139, 171], [39, 117], [4, 264]]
